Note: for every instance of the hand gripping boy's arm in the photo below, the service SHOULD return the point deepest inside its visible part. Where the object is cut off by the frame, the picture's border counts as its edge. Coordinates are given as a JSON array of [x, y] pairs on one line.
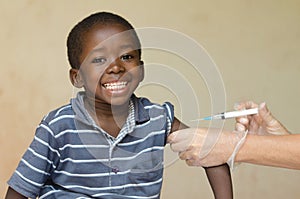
[[219, 177]]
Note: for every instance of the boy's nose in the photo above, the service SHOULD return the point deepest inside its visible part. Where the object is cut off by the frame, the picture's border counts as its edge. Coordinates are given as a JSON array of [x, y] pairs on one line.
[[115, 67]]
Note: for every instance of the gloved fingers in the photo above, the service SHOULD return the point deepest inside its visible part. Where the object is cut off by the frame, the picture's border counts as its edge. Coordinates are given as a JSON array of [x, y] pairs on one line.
[[240, 127], [180, 135], [242, 123], [254, 126], [271, 124], [190, 158], [243, 120], [245, 105], [223, 150], [176, 137], [178, 147], [196, 163], [172, 137], [184, 155], [183, 139], [266, 115], [186, 138], [252, 123]]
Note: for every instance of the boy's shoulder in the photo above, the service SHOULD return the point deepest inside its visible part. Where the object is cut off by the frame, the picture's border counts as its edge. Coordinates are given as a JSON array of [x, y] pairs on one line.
[[145, 107], [147, 103], [142, 100], [65, 111]]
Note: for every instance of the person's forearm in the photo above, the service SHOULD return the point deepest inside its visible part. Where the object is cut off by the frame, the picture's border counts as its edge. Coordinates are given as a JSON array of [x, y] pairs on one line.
[[278, 151]]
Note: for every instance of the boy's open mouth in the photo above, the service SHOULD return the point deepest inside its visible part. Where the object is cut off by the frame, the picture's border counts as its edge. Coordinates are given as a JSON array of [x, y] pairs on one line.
[[115, 85]]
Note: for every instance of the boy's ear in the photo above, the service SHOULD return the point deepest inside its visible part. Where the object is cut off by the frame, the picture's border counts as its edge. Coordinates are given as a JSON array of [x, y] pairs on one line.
[[75, 78], [142, 71]]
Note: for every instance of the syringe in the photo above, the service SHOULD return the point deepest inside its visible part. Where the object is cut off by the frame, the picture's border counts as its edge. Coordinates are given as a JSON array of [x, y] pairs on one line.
[[233, 114]]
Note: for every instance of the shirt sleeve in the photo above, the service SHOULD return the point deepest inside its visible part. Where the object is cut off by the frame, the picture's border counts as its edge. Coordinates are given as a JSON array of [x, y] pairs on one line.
[[170, 115], [37, 164]]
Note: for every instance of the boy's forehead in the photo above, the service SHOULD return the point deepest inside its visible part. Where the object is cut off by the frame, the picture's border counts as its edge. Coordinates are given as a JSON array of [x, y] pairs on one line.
[[103, 38], [122, 46], [110, 35]]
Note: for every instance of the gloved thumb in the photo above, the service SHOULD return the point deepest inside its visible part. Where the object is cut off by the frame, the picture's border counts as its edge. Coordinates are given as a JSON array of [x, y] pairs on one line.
[[271, 124], [265, 113]]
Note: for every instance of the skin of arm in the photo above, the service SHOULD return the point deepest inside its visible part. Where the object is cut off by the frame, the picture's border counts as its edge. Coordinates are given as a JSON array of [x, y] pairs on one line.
[[219, 177], [278, 151], [268, 142], [12, 194], [268, 150]]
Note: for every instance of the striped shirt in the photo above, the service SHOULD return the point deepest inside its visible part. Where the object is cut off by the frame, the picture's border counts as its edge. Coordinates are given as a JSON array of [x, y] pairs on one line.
[[72, 157]]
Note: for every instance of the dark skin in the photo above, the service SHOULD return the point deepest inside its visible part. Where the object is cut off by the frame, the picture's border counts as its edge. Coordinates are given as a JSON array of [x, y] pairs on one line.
[[105, 65], [218, 176], [110, 73]]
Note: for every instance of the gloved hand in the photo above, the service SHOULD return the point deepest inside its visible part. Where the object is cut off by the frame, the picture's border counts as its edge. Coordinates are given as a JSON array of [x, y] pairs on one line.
[[263, 123], [205, 147]]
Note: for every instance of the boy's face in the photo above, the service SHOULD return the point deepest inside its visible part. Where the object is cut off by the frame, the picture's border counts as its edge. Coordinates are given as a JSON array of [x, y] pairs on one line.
[[111, 68]]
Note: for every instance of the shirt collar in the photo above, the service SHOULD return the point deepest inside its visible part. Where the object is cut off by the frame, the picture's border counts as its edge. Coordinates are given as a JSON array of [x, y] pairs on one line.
[[141, 114]]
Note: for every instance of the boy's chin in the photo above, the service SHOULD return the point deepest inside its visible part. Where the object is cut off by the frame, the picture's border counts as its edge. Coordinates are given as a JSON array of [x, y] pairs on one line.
[[119, 101], [117, 98], [112, 100]]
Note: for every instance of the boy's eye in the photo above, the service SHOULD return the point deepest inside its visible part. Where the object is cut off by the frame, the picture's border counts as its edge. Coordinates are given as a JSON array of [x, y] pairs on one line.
[[126, 57], [99, 60]]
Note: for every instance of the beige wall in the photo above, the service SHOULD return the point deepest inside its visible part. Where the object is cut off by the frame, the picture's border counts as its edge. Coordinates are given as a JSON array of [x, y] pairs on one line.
[[255, 44]]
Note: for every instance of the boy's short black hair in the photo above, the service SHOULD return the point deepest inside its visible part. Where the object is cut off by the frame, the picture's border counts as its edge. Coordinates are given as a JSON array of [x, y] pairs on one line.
[[75, 38]]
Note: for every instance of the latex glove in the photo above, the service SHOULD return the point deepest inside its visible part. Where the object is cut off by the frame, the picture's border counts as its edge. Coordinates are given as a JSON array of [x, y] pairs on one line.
[[204, 147], [263, 123]]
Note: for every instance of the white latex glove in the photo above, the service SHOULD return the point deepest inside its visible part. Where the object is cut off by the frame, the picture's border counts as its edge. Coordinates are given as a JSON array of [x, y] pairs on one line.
[[263, 123], [204, 147]]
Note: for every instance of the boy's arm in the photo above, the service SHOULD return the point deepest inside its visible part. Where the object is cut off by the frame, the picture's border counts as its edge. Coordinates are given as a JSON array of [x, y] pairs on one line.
[[220, 181], [12, 194], [219, 177]]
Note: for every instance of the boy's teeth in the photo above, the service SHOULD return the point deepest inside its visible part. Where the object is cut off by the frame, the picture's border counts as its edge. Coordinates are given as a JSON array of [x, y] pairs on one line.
[[115, 85]]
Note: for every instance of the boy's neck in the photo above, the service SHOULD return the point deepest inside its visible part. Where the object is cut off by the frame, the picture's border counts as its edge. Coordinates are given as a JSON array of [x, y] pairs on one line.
[[109, 118]]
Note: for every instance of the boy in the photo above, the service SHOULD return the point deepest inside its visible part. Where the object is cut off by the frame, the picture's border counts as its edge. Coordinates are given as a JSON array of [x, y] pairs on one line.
[[106, 143]]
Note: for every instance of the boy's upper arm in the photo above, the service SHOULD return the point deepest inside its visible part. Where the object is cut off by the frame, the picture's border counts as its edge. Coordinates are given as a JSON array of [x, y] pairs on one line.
[[37, 163], [12, 194], [178, 125]]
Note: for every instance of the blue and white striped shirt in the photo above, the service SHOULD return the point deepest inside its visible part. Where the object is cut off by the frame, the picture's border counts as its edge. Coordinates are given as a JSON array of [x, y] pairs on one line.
[[72, 157]]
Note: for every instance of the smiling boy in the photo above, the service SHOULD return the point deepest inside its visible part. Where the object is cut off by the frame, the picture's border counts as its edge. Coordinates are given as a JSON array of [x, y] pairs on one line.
[[107, 143]]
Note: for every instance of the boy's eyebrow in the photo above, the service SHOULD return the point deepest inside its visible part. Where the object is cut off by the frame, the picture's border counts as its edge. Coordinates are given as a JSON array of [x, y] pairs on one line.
[[122, 47], [98, 49], [126, 46]]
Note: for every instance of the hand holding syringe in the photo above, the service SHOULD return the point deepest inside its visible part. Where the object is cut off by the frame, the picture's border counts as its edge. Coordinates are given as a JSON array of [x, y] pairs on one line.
[[233, 114]]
